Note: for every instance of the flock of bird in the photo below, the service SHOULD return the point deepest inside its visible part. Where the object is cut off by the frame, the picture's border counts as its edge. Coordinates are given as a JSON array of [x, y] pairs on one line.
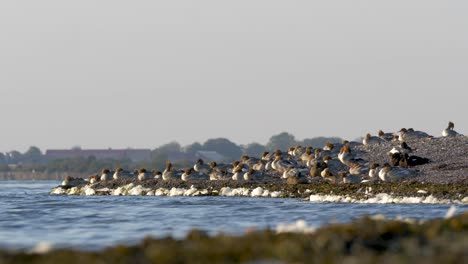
[[335, 163]]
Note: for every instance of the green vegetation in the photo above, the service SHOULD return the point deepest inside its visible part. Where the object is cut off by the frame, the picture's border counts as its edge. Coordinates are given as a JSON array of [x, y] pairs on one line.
[[254, 150], [362, 241], [224, 147], [285, 140]]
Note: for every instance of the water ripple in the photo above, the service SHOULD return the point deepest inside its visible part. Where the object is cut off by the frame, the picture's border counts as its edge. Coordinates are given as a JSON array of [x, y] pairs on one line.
[[30, 215]]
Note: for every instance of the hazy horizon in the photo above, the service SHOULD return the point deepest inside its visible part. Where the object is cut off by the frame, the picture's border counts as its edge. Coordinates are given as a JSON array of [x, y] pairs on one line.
[[141, 74]]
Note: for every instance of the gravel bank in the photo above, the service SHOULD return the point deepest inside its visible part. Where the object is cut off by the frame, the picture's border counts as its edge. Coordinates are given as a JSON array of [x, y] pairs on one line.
[[449, 158], [445, 177]]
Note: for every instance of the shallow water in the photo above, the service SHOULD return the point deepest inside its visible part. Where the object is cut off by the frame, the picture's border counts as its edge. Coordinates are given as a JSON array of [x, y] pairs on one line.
[[28, 215]]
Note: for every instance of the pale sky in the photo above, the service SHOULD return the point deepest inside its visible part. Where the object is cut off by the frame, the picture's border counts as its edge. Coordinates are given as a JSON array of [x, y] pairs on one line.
[[143, 73]]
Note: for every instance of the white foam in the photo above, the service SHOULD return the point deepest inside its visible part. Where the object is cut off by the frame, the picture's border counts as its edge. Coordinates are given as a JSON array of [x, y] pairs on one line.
[[89, 191], [73, 191], [300, 226], [257, 192], [326, 198], [381, 217], [119, 191], [176, 192], [103, 190], [191, 191], [225, 191], [450, 212], [123, 190], [58, 190], [138, 190], [240, 192], [244, 191], [378, 217], [41, 248], [380, 198], [161, 192], [276, 194]]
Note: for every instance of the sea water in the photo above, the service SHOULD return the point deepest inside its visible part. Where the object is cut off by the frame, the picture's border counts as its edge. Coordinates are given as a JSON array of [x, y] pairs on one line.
[[30, 215]]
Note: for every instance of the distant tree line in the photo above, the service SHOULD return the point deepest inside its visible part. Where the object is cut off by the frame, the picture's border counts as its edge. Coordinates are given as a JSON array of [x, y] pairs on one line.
[[34, 160]]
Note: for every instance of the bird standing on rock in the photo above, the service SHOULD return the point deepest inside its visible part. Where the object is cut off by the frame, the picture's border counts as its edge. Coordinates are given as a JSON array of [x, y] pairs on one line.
[[411, 134], [298, 178], [259, 166], [253, 175], [349, 178], [106, 175], [201, 167], [328, 176], [368, 140], [144, 175], [70, 181], [170, 173], [347, 158], [385, 136], [449, 132], [122, 174], [389, 173], [405, 161], [373, 171], [249, 161], [238, 174], [415, 160]]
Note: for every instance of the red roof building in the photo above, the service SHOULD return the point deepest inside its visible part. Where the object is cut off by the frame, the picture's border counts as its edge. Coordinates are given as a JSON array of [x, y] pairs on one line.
[[118, 154]]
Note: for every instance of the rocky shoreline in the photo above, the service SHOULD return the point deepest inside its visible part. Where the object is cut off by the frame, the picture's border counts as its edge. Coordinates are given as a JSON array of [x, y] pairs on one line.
[[448, 158], [444, 179], [395, 192], [366, 240]]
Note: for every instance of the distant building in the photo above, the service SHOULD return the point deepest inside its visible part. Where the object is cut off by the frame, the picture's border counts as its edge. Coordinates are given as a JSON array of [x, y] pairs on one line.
[[118, 154], [209, 156], [176, 156]]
